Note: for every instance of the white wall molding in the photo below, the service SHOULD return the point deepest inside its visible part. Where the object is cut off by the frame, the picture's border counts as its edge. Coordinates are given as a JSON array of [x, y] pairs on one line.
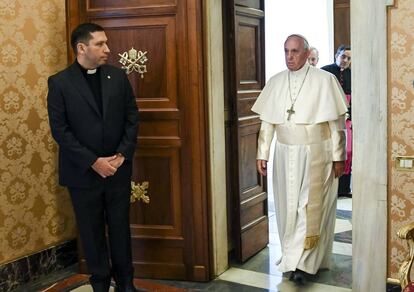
[[213, 37], [369, 118]]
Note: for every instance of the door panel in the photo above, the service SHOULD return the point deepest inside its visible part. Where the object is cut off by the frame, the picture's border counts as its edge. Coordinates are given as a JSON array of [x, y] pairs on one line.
[[161, 165], [246, 37], [170, 234], [342, 23], [245, 79], [156, 36], [128, 4]]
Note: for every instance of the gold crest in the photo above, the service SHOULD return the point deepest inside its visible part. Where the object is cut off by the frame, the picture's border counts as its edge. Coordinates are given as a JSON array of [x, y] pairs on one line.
[[134, 60], [138, 192]]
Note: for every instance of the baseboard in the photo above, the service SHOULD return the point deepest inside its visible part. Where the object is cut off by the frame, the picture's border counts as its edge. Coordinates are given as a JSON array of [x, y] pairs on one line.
[[30, 268]]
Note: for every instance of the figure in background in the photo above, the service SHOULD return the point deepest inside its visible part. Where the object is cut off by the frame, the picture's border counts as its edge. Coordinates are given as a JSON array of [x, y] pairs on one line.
[[306, 108], [313, 58], [342, 70], [94, 119]]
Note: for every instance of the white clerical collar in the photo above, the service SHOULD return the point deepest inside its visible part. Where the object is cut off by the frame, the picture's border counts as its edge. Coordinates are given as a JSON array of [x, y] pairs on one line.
[[88, 71], [301, 71]]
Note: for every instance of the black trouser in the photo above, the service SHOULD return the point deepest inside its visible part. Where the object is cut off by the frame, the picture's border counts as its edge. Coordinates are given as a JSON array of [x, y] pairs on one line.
[[94, 208], [344, 186]]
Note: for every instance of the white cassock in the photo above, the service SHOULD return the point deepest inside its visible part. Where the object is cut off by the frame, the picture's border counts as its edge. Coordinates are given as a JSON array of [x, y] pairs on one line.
[[304, 186]]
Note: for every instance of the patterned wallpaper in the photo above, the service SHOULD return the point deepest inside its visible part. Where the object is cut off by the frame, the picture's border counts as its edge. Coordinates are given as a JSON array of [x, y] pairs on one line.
[[35, 212], [401, 127]]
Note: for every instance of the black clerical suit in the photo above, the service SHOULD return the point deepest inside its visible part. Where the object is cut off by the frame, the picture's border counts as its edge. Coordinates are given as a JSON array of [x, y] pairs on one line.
[[90, 118], [344, 78]]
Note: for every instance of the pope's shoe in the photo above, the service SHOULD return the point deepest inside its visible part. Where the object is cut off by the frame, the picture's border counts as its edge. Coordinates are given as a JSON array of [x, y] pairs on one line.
[[299, 277]]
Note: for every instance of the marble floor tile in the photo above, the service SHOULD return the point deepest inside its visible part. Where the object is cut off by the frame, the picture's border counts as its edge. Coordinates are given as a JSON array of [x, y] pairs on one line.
[[263, 262], [342, 248], [344, 204], [344, 214], [273, 283], [339, 274], [344, 237], [342, 225]]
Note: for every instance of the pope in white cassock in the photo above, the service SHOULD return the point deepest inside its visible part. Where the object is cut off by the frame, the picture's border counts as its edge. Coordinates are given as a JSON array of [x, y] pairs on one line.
[[303, 108]]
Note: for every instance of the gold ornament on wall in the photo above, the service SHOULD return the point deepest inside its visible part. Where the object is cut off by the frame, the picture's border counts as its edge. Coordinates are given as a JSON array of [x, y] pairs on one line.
[[138, 192], [134, 60], [407, 233]]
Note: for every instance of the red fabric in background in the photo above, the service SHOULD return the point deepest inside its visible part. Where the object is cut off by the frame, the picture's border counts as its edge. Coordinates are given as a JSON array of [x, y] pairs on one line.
[[348, 125], [409, 287]]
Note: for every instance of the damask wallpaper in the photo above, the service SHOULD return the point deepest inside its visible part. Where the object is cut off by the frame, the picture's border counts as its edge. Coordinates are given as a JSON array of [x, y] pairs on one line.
[[35, 212], [401, 127]]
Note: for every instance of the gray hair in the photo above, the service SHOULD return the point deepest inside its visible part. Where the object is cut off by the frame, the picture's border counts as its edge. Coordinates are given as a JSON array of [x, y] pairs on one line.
[[314, 49], [305, 41]]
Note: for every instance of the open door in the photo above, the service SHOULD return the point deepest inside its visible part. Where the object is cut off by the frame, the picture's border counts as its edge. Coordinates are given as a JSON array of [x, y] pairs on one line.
[[170, 233], [245, 78], [342, 23]]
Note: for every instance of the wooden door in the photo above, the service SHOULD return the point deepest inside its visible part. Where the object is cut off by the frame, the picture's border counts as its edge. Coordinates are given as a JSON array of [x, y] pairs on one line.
[[170, 234], [342, 23], [245, 78]]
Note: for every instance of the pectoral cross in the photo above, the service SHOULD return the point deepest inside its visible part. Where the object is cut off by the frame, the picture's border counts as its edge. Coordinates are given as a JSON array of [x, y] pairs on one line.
[[290, 112]]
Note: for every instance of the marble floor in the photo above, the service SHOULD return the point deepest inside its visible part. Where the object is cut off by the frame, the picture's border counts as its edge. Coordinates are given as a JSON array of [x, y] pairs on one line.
[[260, 272]]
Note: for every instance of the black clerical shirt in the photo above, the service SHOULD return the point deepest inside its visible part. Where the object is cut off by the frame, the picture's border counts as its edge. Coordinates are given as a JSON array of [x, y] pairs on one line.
[[343, 77], [94, 82]]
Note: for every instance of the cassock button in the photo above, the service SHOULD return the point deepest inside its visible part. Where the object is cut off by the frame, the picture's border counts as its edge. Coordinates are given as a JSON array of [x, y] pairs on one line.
[[109, 77]]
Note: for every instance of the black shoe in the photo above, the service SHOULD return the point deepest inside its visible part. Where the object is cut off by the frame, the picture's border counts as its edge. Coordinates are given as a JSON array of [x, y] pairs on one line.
[[299, 277], [101, 285], [292, 276]]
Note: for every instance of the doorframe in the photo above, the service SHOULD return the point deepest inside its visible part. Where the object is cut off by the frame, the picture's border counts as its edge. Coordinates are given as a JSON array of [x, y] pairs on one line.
[[214, 91], [369, 118], [369, 110]]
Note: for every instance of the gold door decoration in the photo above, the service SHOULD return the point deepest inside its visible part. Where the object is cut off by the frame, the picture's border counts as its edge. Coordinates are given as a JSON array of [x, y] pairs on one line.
[[138, 192], [407, 233], [134, 60]]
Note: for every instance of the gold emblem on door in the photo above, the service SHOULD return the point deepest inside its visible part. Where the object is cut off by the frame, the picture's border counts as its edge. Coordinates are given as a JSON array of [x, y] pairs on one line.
[[134, 60], [139, 191]]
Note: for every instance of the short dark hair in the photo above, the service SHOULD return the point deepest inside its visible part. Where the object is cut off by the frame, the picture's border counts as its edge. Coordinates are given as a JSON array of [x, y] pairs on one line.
[[82, 34], [342, 48]]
